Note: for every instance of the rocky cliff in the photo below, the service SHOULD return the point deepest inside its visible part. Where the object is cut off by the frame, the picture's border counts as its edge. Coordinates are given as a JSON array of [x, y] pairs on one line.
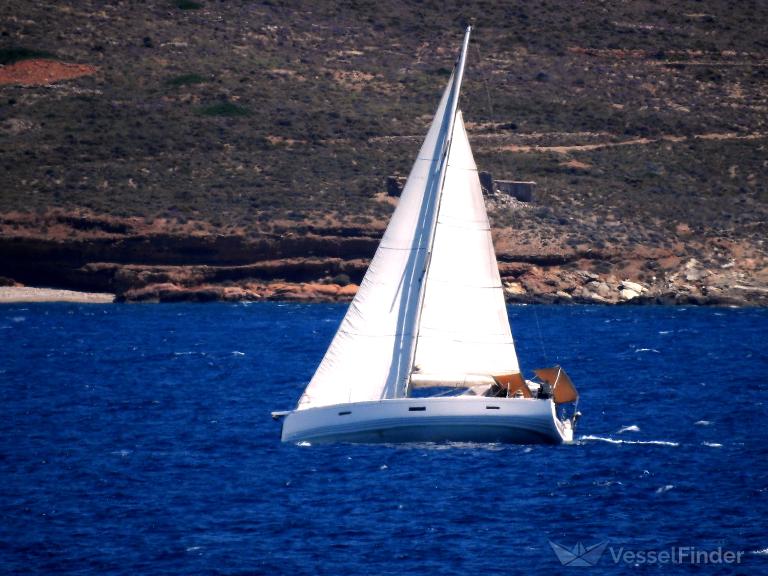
[[138, 262]]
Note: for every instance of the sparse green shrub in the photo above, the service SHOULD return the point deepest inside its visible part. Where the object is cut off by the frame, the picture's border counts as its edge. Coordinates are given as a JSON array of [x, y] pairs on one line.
[[227, 109], [708, 75], [341, 279], [17, 53], [602, 267], [186, 80], [442, 71], [188, 5]]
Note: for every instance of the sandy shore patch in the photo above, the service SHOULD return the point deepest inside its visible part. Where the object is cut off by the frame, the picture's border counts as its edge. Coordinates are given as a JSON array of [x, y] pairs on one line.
[[10, 294]]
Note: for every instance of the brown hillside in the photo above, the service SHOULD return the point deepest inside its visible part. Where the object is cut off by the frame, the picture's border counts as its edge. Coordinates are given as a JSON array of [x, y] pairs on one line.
[[202, 127]]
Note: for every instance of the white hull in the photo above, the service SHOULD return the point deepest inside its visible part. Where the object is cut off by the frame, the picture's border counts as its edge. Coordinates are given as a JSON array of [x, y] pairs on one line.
[[456, 418]]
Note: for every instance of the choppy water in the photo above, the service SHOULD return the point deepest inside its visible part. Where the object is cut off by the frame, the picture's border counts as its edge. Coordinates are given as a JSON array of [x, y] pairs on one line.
[[137, 439]]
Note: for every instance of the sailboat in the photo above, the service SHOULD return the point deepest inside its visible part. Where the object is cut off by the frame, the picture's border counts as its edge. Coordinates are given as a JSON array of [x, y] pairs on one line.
[[425, 351]]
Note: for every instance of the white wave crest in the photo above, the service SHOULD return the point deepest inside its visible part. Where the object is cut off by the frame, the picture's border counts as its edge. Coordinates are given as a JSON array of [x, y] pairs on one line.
[[632, 428], [663, 489], [712, 444], [617, 441]]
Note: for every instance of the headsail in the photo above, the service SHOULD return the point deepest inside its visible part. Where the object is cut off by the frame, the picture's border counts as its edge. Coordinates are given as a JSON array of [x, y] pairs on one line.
[[464, 327], [372, 353]]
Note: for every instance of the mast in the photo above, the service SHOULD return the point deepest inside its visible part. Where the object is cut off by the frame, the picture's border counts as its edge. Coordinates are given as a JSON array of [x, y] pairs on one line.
[[447, 127]]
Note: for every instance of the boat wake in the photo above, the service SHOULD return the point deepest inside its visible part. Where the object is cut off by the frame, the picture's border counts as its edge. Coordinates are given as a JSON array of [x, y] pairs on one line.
[[590, 438], [451, 445]]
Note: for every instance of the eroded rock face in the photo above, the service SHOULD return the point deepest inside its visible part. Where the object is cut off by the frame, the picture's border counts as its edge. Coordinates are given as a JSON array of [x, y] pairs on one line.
[[105, 254], [310, 292], [108, 256]]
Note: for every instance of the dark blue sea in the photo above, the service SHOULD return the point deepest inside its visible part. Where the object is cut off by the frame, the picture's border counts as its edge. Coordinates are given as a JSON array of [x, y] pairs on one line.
[[137, 439]]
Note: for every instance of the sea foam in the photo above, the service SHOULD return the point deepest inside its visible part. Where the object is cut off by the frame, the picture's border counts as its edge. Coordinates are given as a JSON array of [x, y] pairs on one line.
[[617, 441]]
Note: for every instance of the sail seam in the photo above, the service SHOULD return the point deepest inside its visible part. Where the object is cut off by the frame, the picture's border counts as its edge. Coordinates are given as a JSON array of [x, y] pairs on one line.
[[402, 249], [466, 285], [468, 226], [377, 335]]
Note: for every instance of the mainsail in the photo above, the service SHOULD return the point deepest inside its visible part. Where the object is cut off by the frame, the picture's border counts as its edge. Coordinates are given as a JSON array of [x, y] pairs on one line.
[[432, 289]]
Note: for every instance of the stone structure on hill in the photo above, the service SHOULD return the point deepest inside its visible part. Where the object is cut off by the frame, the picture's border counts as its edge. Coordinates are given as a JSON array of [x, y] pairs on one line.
[[522, 191], [486, 183]]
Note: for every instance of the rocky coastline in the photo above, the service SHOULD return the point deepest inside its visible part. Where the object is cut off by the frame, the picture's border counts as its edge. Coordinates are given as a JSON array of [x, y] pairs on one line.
[[327, 265]]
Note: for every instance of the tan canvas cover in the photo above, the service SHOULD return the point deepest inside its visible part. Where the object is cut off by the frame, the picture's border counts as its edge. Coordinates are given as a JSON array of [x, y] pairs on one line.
[[513, 383], [563, 389]]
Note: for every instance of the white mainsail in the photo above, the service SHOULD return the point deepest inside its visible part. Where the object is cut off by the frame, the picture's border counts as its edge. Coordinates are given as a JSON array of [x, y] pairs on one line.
[[458, 316]]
